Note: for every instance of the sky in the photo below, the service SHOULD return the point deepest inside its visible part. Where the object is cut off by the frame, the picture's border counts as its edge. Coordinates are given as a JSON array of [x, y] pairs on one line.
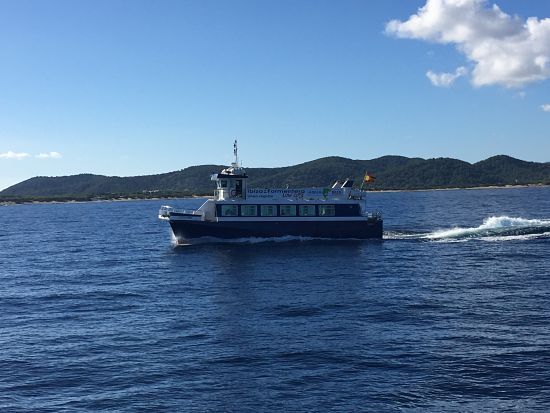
[[141, 87]]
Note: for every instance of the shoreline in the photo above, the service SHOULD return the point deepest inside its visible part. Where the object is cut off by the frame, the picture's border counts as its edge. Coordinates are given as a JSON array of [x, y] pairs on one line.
[[471, 188], [78, 201], [128, 199]]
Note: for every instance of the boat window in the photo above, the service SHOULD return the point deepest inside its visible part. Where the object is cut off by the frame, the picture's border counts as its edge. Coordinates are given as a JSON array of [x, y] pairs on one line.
[[239, 187], [229, 210], [249, 210], [288, 210], [326, 210], [307, 210], [268, 211], [223, 183]]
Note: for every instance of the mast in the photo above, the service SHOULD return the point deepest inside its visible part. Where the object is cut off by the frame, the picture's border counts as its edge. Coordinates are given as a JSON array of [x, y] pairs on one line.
[[235, 152]]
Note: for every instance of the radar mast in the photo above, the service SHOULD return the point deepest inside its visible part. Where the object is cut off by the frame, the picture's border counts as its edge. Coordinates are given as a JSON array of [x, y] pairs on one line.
[[235, 152]]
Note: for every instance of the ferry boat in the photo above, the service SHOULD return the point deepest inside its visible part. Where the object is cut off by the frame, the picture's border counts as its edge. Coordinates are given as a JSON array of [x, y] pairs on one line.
[[237, 211]]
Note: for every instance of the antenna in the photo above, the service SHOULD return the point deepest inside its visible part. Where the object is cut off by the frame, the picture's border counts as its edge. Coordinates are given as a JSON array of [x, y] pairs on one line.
[[235, 152]]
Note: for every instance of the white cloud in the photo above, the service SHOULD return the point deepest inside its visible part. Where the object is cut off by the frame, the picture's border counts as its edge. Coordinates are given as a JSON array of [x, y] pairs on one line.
[[546, 107], [49, 155], [14, 155], [505, 50], [445, 79]]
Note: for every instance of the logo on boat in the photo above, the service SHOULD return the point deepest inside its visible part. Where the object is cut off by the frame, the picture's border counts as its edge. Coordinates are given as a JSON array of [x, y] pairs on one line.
[[268, 193]]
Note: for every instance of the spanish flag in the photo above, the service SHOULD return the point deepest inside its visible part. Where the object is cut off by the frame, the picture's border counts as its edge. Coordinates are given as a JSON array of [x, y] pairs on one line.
[[368, 178]]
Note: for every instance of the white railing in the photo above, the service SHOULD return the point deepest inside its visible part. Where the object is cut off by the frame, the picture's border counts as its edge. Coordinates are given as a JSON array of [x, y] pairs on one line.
[[165, 211]]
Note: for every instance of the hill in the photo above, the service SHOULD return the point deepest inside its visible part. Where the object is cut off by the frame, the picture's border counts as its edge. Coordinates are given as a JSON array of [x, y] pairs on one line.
[[392, 172]]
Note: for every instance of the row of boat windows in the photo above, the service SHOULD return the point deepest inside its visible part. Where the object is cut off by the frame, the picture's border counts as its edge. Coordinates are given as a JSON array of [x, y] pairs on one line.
[[283, 210]]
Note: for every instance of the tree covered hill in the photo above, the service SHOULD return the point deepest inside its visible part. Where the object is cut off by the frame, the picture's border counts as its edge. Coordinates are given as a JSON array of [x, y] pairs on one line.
[[392, 172]]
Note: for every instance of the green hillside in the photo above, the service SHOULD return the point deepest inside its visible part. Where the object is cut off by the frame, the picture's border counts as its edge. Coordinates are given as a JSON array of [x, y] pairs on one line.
[[392, 172]]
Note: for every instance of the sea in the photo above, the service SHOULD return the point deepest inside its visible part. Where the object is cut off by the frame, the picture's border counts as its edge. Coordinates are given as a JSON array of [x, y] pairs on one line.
[[101, 312]]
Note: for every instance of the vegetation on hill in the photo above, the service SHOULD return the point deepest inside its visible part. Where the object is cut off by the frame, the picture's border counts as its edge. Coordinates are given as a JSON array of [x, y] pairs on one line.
[[392, 172]]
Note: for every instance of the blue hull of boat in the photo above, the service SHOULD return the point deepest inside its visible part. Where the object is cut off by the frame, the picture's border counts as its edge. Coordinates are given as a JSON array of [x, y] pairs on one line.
[[189, 230]]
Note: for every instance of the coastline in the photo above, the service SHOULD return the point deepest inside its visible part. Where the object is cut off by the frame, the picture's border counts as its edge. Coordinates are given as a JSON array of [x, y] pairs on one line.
[[76, 201], [31, 201], [472, 188]]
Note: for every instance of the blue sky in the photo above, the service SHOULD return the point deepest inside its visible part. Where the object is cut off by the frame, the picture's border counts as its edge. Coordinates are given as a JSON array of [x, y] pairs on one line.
[[139, 87]]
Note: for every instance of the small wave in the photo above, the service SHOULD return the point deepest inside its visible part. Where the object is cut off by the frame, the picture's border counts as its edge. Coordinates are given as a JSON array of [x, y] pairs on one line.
[[518, 237], [496, 229], [291, 311]]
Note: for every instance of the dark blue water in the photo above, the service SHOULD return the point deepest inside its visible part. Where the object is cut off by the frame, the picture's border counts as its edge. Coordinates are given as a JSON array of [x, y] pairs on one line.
[[99, 312]]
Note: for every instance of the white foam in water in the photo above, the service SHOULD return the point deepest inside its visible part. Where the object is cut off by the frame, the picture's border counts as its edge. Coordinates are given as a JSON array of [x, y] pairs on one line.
[[517, 237], [491, 228], [174, 241], [400, 235]]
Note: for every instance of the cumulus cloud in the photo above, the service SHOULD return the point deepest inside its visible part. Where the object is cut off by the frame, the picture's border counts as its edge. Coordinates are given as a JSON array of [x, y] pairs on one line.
[[505, 50], [445, 79], [14, 155], [546, 107], [23, 155], [49, 155]]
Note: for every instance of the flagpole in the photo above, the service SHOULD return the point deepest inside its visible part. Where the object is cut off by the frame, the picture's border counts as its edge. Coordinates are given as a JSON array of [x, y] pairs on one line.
[[362, 183]]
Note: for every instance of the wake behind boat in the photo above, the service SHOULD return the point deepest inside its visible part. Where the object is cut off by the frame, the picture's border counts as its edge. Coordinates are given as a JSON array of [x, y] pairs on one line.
[[241, 212]]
